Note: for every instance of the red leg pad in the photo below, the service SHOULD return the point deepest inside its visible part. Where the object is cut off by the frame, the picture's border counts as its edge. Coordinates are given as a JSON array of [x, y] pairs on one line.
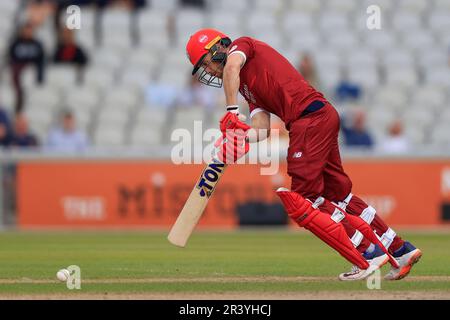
[[321, 224], [368, 233]]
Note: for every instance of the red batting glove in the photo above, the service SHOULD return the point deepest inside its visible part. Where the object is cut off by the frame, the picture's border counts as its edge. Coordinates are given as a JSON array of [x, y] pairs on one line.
[[234, 141], [232, 147], [229, 121]]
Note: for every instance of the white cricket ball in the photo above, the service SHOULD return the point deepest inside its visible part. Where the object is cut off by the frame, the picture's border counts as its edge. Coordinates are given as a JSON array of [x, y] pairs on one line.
[[63, 275]]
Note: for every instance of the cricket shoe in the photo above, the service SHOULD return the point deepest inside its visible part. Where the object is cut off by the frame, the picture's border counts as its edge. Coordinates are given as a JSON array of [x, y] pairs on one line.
[[406, 257], [376, 259]]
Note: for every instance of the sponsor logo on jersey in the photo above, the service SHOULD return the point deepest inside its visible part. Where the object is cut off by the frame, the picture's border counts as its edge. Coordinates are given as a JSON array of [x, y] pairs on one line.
[[247, 94]]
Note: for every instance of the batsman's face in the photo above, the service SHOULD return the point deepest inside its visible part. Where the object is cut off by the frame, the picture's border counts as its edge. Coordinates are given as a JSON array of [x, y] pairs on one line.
[[213, 68]]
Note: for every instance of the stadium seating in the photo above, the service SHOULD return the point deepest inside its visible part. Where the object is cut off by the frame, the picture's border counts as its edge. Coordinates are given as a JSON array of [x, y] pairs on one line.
[[308, 6], [403, 68]]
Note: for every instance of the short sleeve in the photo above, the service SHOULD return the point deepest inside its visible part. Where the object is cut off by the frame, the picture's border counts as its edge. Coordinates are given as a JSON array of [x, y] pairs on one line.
[[254, 109], [243, 46]]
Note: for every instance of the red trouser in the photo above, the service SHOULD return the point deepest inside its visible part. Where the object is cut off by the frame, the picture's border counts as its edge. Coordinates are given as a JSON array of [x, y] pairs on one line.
[[314, 164]]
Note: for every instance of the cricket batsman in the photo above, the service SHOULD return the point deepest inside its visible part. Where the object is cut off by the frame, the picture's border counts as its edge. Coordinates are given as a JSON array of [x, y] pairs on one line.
[[320, 198]]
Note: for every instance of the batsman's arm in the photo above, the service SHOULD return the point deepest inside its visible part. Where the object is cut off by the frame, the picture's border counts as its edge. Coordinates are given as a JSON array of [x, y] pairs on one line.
[[260, 127], [231, 79]]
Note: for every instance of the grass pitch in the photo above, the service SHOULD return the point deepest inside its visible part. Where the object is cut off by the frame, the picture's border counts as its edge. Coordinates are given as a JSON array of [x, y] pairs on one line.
[[251, 264]]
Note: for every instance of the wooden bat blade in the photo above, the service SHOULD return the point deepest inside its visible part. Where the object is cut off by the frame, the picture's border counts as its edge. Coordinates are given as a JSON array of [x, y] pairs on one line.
[[196, 204], [187, 219]]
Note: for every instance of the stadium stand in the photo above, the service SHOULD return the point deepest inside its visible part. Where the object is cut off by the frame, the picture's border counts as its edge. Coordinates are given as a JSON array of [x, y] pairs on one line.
[[403, 68]]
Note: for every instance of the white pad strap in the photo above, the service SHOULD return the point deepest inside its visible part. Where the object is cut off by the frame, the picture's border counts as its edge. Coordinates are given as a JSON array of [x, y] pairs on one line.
[[319, 201], [368, 214], [387, 238], [343, 204], [357, 238], [337, 215]]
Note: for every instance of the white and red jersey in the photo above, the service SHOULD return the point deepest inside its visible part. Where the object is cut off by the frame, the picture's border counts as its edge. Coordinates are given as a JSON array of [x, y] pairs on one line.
[[268, 81]]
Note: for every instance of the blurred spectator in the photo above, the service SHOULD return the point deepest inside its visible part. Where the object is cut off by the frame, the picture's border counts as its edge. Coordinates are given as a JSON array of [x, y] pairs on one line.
[[135, 4], [200, 4], [172, 27], [449, 56], [129, 4], [161, 94], [23, 51], [66, 137], [307, 69], [355, 131], [37, 11], [348, 91], [197, 94], [21, 135], [396, 142], [79, 3], [68, 51], [5, 129]]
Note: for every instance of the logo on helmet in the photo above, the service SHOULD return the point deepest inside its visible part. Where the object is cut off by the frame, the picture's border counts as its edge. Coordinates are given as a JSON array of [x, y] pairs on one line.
[[203, 38]]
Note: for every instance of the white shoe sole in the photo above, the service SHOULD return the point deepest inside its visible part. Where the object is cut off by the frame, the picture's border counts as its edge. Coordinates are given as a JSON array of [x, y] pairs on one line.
[[403, 271], [374, 265]]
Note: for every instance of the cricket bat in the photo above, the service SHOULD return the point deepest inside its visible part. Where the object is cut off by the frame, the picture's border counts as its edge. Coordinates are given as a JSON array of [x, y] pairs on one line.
[[196, 203]]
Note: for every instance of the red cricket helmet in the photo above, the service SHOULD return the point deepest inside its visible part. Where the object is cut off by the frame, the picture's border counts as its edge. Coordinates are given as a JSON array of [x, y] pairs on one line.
[[201, 43]]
